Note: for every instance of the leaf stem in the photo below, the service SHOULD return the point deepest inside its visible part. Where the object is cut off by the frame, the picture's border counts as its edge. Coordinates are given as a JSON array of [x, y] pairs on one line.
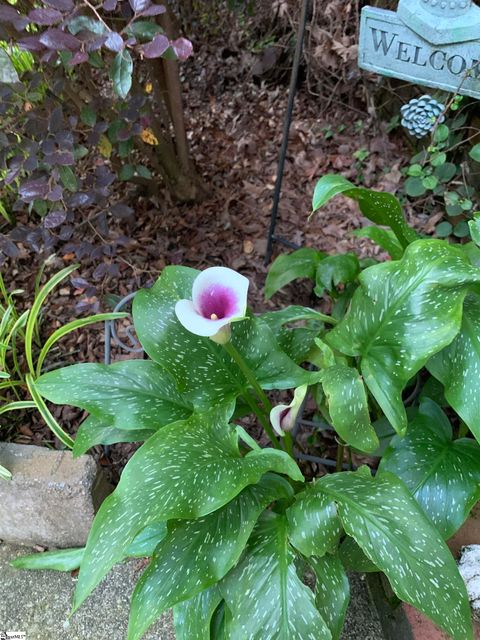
[[245, 369], [340, 452], [262, 419]]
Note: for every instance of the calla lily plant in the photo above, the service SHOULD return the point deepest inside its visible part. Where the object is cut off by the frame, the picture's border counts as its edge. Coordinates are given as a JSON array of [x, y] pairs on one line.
[[231, 503]]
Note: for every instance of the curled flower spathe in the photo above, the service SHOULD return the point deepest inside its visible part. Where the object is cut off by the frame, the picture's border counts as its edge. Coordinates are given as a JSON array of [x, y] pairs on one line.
[[219, 297], [284, 416]]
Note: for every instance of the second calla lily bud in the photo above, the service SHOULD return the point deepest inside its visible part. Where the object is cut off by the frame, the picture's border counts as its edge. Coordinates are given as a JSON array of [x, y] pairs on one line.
[[219, 297], [284, 416]]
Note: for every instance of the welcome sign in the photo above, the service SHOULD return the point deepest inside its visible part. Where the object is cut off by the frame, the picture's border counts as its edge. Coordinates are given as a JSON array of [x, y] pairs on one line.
[[389, 47]]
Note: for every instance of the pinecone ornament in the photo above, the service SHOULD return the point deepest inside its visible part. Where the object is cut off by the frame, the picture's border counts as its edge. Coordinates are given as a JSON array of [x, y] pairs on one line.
[[420, 115]]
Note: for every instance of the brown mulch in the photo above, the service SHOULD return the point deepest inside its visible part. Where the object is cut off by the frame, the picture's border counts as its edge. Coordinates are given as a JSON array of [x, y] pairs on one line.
[[236, 135]]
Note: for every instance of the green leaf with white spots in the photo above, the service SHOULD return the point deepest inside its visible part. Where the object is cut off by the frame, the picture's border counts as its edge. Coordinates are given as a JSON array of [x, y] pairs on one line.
[[145, 542], [458, 367], [264, 594], [95, 431], [203, 370], [335, 270], [314, 527], [287, 267], [402, 314], [354, 559], [186, 470], [208, 546], [296, 341], [332, 591], [392, 530], [442, 474], [348, 407], [193, 617], [133, 394], [382, 208]]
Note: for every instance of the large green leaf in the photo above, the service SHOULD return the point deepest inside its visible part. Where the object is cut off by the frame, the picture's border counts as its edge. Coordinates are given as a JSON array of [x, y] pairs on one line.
[[333, 270], [390, 527], [443, 475], [209, 547], [385, 239], [267, 599], [332, 591], [353, 558], [402, 314], [348, 407], [186, 470], [314, 527], [458, 367], [203, 369], [95, 431], [287, 267], [379, 207], [121, 73], [193, 617], [133, 394], [296, 341]]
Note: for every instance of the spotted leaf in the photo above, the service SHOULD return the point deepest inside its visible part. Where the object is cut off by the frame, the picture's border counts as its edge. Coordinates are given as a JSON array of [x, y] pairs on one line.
[[402, 314], [348, 407], [202, 368], [458, 367], [391, 529], [287, 267], [443, 474], [193, 617], [313, 524], [264, 594], [332, 591], [133, 394], [95, 431], [208, 546], [186, 470]]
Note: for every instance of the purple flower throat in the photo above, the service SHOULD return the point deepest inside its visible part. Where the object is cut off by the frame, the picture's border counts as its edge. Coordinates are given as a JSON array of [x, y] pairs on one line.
[[217, 302]]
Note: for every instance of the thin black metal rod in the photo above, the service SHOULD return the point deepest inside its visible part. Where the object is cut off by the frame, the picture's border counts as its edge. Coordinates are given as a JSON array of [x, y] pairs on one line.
[[286, 127]]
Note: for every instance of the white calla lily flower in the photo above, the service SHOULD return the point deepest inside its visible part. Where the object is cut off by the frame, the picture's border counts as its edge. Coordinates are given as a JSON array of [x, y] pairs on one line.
[[284, 416], [219, 297]]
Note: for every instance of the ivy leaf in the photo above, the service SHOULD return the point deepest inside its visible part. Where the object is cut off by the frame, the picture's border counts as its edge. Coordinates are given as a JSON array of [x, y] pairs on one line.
[[186, 470], [193, 617], [132, 394], [264, 594], [348, 407], [156, 47], [95, 431], [302, 263], [458, 366], [314, 527], [402, 314], [474, 153], [332, 591], [209, 546], [385, 238], [382, 208], [184, 354], [443, 475], [389, 526], [121, 73]]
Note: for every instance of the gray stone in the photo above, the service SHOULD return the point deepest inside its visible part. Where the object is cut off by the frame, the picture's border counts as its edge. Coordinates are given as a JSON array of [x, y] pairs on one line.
[[389, 47], [469, 567], [38, 602], [441, 21], [52, 497]]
